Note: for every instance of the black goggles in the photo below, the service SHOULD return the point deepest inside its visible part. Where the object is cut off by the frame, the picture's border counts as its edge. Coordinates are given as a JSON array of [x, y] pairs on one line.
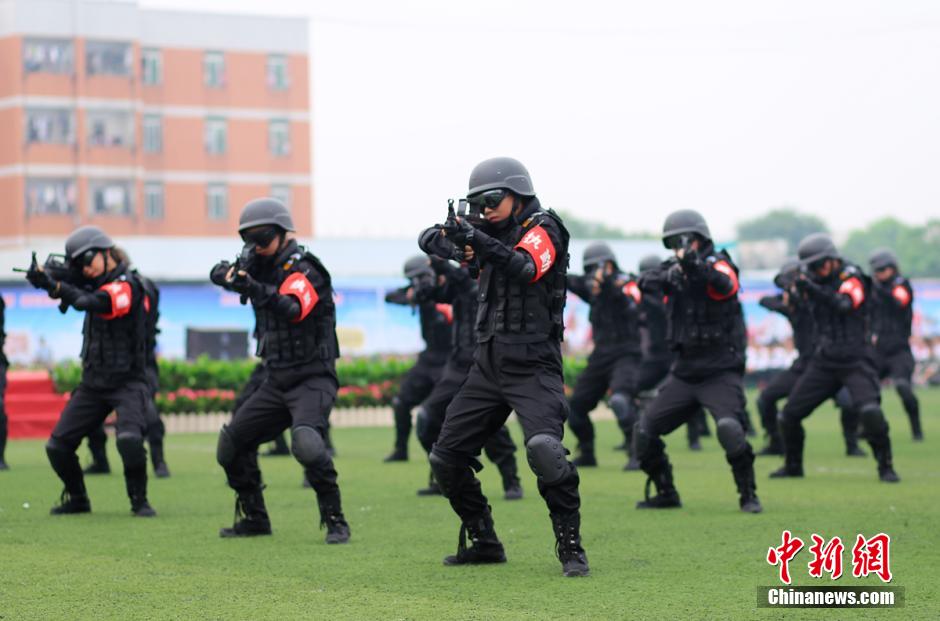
[[487, 200], [86, 258], [674, 242], [817, 265], [260, 237]]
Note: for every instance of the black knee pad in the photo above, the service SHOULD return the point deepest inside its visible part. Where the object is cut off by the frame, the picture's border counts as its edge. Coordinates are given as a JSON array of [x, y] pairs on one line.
[[731, 436], [624, 409], [547, 458], [873, 419], [308, 446], [646, 442], [844, 399], [226, 450], [447, 472], [130, 444], [56, 449], [422, 422]]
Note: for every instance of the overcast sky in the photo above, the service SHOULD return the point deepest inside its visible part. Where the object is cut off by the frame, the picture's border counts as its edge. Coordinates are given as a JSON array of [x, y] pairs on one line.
[[622, 111]]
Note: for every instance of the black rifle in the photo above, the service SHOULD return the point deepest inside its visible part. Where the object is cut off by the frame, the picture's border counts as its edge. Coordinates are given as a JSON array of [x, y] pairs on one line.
[[56, 266], [451, 226]]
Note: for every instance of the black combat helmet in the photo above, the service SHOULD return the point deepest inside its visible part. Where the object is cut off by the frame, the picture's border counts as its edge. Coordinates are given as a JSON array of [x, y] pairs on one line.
[[596, 254], [501, 173], [86, 238], [418, 265], [685, 222], [788, 272], [816, 247], [263, 211], [650, 262], [882, 258]]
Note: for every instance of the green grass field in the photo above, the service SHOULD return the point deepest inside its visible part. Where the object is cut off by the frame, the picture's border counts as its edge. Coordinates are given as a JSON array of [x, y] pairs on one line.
[[703, 561]]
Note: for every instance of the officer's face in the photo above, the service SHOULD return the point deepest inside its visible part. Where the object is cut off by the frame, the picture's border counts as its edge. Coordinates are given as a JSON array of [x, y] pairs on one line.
[[824, 269], [884, 274], [502, 211]]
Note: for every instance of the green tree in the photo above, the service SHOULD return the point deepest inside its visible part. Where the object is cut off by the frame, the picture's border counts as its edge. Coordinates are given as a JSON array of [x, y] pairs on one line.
[[782, 223], [916, 247], [581, 228]]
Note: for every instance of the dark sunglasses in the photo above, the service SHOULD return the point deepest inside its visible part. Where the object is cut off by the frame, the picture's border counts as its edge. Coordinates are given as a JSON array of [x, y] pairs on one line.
[[260, 237], [815, 266], [87, 258], [674, 242], [487, 200]]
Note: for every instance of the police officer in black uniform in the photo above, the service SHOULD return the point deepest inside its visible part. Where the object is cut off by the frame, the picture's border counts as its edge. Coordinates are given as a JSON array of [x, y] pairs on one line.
[[892, 315], [456, 288], [156, 430], [708, 333], [839, 296], [114, 366], [3, 389], [436, 332], [522, 254], [291, 294], [615, 299]]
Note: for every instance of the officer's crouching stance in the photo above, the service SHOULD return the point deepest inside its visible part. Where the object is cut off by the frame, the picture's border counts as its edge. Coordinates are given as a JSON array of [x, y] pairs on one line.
[[114, 360], [292, 298], [522, 252], [707, 330]]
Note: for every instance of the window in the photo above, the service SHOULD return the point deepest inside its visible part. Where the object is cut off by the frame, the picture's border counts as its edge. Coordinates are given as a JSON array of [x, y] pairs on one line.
[[108, 58], [216, 136], [110, 198], [279, 137], [153, 134], [217, 202], [50, 196], [277, 72], [151, 66], [50, 126], [153, 201], [110, 128], [213, 69], [281, 193], [48, 56]]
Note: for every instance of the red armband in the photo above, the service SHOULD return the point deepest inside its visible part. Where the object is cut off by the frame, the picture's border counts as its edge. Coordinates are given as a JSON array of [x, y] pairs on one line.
[[298, 286], [121, 298], [447, 310], [539, 246], [727, 270], [901, 294], [632, 290], [854, 289]]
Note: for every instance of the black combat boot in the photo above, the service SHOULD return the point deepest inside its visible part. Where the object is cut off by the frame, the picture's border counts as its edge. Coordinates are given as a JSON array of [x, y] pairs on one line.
[[793, 439], [882, 451], [512, 488], [398, 454], [484, 545], [137, 492], [568, 548], [433, 489], [742, 467], [666, 496], [99, 465], [251, 516], [72, 503], [586, 457], [337, 529]]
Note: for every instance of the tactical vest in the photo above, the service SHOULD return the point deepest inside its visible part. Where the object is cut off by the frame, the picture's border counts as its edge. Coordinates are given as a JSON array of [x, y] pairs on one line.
[[524, 312], [843, 333], [890, 322], [151, 315], [613, 320], [117, 347], [285, 343], [435, 328], [698, 320]]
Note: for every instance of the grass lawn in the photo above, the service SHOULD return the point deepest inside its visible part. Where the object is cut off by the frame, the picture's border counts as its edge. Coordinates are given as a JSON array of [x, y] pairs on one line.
[[703, 561]]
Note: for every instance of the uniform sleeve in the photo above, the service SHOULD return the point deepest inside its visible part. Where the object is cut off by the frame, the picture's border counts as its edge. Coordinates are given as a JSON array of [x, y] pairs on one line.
[[775, 303], [398, 296], [541, 243], [297, 295], [853, 290], [722, 280], [902, 294], [98, 301], [578, 286], [432, 242]]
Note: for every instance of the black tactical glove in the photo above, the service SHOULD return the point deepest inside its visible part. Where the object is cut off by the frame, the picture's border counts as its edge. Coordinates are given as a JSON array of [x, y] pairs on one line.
[[459, 232], [243, 283], [218, 273], [39, 278], [674, 277]]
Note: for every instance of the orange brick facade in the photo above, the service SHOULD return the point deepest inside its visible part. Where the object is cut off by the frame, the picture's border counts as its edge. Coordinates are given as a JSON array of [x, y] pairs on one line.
[[74, 149]]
